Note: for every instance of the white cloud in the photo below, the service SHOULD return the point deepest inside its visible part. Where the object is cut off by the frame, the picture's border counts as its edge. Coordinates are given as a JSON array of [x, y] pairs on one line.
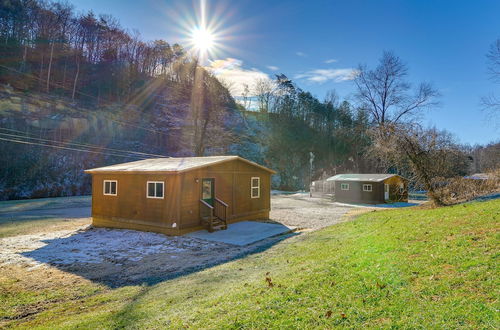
[[323, 75], [231, 71], [273, 68], [331, 60], [300, 54]]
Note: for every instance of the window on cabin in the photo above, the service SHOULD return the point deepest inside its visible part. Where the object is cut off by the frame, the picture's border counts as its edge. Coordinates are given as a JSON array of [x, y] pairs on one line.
[[367, 187], [401, 188], [255, 187], [155, 189], [110, 187], [344, 186]]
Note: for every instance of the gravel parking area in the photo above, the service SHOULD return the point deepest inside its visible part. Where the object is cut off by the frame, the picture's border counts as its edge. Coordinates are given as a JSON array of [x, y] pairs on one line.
[[299, 210]]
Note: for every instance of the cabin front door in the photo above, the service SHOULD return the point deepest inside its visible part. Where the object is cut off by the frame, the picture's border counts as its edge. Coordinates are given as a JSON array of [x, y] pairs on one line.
[[386, 191], [207, 191]]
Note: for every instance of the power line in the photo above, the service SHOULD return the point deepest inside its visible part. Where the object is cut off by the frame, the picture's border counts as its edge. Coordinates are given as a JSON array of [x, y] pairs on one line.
[[66, 148], [76, 143], [72, 147]]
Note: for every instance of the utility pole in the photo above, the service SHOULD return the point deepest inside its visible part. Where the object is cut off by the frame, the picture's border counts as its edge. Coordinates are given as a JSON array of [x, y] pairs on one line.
[[311, 159]]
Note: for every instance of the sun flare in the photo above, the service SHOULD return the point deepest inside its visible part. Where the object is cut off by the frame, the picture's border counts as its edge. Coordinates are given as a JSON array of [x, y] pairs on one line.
[[202, 39]]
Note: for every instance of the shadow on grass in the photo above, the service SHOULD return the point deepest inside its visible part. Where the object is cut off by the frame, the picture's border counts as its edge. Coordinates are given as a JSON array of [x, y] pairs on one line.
[[44, 214], [118, 258]]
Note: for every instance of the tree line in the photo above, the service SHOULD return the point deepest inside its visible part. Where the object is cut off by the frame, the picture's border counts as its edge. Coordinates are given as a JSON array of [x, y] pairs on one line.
[[47, 47], [299, 126], [379, 132]]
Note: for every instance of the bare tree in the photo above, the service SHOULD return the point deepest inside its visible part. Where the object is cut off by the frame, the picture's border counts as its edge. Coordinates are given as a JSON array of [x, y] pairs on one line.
[[427, 155], [263, 90], [494, 58], [491, 102], [332, 97], [246, 98], [387, 96]]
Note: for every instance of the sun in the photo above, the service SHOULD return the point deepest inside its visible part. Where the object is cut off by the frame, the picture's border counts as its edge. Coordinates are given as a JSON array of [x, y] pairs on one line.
[[205, 32], [202, 39]]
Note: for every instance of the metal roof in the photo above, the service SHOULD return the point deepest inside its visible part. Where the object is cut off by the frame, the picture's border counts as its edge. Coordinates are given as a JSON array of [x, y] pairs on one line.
[[361, 177], [170, 164]]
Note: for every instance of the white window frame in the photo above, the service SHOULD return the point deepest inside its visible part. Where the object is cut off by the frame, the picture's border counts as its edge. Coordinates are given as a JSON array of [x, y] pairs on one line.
[[104, 187], [155, 182], [344, 186], [366, 185], [252, 187], [401, 188]]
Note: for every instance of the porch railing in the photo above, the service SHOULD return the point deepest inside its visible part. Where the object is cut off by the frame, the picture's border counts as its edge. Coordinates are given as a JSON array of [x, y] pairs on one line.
[[214, 217]]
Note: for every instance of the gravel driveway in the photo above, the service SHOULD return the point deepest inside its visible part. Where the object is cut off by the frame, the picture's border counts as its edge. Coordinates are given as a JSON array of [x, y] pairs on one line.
[[301, 211]]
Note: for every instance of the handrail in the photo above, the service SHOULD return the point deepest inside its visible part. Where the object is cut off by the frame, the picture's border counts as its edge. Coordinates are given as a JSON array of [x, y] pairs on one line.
[[222, 202], [206, 204], [216, 213], [220, 209], [210, 215]]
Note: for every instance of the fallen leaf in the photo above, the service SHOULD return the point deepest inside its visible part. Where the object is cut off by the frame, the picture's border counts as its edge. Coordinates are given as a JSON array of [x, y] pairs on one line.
[[328, 314]]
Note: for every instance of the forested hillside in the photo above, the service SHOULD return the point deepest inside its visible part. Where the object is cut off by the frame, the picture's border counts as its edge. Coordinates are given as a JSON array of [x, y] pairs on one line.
[[79, 91]]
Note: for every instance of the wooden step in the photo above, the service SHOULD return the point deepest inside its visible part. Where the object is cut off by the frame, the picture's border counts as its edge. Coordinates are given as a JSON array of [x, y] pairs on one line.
[[217, 223]]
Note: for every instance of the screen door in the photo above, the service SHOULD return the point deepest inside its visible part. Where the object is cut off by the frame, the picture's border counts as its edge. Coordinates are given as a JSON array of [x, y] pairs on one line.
[[207, 191]]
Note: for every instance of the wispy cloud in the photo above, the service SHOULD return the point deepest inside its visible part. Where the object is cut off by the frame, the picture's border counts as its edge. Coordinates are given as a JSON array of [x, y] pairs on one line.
[[273, 68], [324, 75], [232, 72], [331, 60], [301, 54]]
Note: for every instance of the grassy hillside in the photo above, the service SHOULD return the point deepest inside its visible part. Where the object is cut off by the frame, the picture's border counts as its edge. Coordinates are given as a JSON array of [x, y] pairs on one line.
[[412, 268]]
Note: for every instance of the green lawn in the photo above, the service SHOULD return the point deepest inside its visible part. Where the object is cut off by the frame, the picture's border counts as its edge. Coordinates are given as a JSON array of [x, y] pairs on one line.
[[410, 268], [20, 217]]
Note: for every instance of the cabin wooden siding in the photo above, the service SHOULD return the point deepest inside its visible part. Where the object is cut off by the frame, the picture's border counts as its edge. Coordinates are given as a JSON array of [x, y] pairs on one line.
[[232, 185], [179, 211], [355, 194], [131, 205]]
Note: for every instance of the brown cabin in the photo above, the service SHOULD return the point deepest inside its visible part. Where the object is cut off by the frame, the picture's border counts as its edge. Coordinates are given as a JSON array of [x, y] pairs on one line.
[[178, 195], [370, 188]]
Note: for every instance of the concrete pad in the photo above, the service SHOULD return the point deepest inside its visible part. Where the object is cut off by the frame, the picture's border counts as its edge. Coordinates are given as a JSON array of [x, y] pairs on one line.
[[243, 233]]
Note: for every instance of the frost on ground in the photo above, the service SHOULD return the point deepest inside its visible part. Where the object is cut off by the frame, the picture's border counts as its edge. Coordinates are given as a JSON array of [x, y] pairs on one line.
[[112, 256], [118, 257], [92, 245]]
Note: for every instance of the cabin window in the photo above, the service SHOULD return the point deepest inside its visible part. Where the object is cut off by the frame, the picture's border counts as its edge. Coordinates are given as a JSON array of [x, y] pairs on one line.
[[255, 187], [344, 186], [401, 188], [367, 187], [110, 187], [155, 189]]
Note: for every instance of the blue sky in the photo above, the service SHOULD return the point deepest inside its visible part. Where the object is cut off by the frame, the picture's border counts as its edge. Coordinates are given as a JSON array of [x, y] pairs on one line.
[[316, 43]]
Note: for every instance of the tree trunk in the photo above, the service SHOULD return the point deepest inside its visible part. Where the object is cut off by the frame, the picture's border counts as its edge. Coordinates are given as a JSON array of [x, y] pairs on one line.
[[40, 74], [64, 72], [50, 66], [25, 55], [76, 79]]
